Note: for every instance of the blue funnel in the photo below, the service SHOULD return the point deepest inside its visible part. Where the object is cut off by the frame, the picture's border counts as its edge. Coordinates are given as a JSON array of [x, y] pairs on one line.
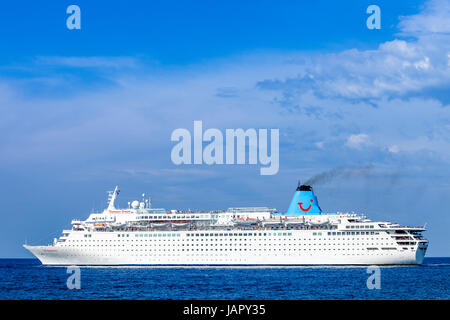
[[304, 202]]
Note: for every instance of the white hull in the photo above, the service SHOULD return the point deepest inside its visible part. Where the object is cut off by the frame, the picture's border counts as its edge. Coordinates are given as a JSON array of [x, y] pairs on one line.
[[300, 248]]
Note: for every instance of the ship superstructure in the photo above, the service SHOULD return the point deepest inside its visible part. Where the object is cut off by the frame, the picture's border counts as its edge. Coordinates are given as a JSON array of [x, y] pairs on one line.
[[304, 235]]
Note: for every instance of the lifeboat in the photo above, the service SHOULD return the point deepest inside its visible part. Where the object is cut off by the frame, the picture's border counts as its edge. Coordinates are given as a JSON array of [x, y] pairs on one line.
[[295, 223], [318, 223], [118, 225], [159, 225], [99, 226], [248, 222], [180, 224], [272, 223]]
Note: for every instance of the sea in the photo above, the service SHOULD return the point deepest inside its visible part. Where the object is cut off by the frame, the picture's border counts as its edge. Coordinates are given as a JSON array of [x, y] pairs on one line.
[[27, 279]]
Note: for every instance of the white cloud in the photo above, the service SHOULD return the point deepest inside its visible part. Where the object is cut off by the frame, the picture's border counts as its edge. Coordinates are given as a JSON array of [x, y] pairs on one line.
[[357, 141], [319, 144], [394, 149], [89, 62], [434, 18], [423, 64], [396, 69]]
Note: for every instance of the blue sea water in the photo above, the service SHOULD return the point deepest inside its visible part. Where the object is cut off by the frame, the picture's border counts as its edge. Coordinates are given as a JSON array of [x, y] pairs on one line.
[[27, 279]]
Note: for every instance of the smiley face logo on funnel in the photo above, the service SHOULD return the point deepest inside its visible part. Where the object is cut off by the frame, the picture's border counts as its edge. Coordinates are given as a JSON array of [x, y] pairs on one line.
[[300, 205]]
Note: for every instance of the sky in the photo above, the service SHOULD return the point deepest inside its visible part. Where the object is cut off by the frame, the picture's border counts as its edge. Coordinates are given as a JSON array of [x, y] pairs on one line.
[[367, 111]]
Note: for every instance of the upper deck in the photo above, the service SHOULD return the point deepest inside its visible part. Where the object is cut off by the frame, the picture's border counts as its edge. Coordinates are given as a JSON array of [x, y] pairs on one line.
[[140, 216]]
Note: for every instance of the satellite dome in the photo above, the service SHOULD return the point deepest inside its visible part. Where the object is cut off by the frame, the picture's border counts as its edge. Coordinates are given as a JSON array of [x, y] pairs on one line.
[[135, 204]]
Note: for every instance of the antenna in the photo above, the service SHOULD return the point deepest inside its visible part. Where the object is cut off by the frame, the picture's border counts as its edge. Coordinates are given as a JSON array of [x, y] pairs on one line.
[[112, 197]]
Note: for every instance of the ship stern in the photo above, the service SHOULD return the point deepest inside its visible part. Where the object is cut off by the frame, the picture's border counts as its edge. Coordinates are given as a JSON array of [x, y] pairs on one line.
[[420, 251]]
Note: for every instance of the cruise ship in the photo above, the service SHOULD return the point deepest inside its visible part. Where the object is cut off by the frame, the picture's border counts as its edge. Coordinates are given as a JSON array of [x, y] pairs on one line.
[[303, 235]]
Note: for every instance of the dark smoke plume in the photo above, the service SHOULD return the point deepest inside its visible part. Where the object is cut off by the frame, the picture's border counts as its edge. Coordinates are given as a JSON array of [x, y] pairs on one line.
[[337, 172]]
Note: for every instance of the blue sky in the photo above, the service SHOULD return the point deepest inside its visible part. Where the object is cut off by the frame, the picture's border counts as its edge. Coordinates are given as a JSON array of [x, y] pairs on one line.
[[183, 32], [84, 110]]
